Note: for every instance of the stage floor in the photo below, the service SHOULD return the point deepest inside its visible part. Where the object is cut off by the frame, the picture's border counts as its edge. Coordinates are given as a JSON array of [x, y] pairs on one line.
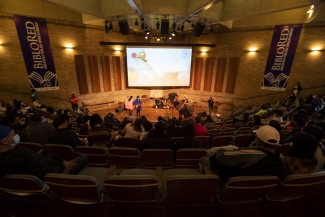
[[153, 113]]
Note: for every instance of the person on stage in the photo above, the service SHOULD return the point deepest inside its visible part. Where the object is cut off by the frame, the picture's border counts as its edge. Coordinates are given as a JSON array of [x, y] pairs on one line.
[[186, 112], [74, 102], [210, 102], [137, 105], [129, 105]]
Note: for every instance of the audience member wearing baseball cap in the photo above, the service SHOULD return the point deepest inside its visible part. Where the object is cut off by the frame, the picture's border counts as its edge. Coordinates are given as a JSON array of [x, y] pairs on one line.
[[249, 161]]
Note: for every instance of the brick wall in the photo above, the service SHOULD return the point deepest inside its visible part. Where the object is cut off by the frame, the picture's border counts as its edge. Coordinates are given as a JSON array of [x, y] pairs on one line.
[[308, 67]]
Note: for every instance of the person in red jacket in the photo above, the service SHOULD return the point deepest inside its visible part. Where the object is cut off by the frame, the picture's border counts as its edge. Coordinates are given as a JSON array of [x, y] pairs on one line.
[[200, 129], [74, 102]]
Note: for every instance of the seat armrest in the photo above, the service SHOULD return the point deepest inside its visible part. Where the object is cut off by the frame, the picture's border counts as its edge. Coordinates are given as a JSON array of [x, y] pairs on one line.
[[206, 170], [159, 174], [67, 169], [111, 171]]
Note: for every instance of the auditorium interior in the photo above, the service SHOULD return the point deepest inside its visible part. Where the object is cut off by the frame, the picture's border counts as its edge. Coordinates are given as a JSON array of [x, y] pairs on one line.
[[230, 42]]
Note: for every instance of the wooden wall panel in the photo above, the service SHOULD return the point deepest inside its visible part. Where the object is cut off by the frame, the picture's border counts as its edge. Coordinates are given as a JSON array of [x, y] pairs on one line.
[[94, 74], [208, 74], [125, 74], [106, 73], [232, 74], [221, 67], [197, 73], [117, 72], [81, 74]]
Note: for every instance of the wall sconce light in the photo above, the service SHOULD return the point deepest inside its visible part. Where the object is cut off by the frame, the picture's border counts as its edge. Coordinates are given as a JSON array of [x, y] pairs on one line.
[[316, 49], [68, 47], [204, 51], [253, 49]]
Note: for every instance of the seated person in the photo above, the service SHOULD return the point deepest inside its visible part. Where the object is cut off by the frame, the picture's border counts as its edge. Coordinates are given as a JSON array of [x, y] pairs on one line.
[[217, 119], [245, 119], [298, 122], [262, 111], [38, 131], [133, 129], [147, 126], [188, 140], [208, 120], [63, 135], [111, 121], [25, 161], [318, 133], [157, 139], [200, 130], [177, 130], [98, 135], [256, 121], [36, 103], [301, 157], [277, 117], [249, 161]]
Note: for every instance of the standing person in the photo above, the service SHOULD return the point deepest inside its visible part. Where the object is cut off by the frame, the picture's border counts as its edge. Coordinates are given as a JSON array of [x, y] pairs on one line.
[[297, 89], [137, 104], [210, 104], [74, 102], [186, 112], [129, 105], [34, 94]]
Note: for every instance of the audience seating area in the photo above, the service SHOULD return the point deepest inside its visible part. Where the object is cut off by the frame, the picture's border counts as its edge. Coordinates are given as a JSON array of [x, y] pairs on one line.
[[123, 174]]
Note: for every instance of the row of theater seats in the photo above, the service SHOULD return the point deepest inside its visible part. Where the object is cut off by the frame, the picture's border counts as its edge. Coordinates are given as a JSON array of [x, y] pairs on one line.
[[173, 186], [124, 156]]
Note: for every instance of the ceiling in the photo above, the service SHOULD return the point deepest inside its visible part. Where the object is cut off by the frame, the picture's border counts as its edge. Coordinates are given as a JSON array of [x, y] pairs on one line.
[[213, 13]]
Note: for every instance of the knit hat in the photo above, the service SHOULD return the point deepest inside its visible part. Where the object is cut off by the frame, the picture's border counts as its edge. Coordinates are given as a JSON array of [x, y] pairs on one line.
[[131, 118], [268, 135], [4, 131]]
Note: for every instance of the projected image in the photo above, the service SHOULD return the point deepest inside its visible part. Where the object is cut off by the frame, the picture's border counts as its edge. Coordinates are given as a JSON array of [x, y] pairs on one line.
[[157, 66]]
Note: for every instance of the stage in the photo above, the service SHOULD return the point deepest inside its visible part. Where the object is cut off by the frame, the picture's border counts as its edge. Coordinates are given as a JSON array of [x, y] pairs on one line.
[[153, 113]]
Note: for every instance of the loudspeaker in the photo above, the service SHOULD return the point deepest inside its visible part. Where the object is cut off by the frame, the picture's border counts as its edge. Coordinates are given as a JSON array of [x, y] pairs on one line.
[[164, 27], [124, 27], [198, 29], [119, 109]]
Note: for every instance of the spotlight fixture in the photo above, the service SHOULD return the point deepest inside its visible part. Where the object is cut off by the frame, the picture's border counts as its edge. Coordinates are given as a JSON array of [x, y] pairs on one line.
[[211, 29], [158, 39], [148, 32], [158, 25], [173, 33], [142, 23], [170, 37], [182, 27], [106, 26], [110, 27], [174, 26], [146, 37], [136, 22]]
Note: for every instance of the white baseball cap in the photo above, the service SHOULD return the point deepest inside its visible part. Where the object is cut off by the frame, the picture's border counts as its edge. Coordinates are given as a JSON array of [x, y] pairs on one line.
[[268, 135]]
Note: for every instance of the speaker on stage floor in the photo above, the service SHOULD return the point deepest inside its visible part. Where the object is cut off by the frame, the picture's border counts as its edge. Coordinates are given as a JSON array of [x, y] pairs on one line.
[[119, 109]]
